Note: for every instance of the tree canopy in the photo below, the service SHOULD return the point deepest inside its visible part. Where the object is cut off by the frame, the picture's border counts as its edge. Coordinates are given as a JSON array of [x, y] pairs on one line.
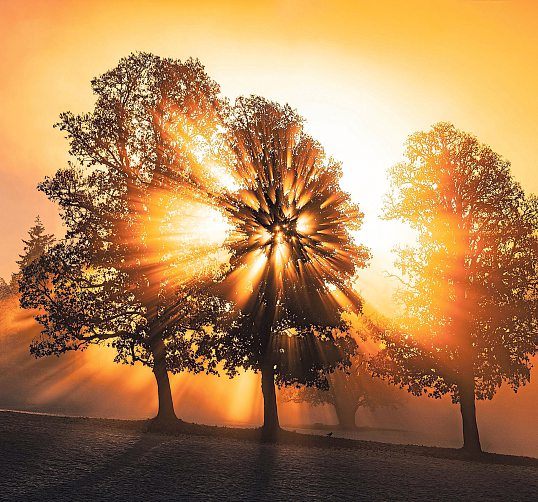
[[292, 251], [469, 283], [125, 271], [348, 390]]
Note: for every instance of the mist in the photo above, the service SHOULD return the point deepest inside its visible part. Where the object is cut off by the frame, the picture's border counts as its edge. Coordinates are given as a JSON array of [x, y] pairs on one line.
[[89, 383]]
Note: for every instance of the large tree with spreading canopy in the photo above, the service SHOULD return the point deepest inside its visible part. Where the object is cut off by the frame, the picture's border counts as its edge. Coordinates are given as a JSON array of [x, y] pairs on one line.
[[349, 390], [125, 271], [469, 284], [292, 252]]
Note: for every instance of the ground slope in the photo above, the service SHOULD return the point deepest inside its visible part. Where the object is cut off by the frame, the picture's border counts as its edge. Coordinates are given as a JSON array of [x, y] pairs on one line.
[[58, 458]]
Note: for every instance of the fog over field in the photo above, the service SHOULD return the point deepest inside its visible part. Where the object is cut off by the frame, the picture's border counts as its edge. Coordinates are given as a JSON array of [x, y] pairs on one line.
[[90, 384], [242, 237]]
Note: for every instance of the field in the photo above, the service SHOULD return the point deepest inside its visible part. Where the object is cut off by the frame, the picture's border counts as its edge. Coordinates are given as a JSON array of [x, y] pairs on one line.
[[46, 457]]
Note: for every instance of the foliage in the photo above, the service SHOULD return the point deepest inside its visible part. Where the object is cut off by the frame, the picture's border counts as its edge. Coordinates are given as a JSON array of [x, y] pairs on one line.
[[470, 282], [37, 244], [5, 290], [292, 252], [353, 386], [122, 273]]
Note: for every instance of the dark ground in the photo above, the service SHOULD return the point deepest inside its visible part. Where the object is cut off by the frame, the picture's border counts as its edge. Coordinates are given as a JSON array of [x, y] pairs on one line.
[[49, 458]]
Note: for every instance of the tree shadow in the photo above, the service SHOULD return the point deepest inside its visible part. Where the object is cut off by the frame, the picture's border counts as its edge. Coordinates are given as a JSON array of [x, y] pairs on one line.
[[264, 469], [103, 472]]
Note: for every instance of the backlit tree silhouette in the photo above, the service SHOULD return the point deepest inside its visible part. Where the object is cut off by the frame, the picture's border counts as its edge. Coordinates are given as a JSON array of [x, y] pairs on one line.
[[132, 201], [292, 252], [38, 242], [470, 282], [349, 390]]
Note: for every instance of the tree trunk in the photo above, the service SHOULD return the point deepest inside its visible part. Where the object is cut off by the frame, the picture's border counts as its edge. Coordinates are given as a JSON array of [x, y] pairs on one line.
[[471, 438], [346, 415], [271, 425], [166, 405]]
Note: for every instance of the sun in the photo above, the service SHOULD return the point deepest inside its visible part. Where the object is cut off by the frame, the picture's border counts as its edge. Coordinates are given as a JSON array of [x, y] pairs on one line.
[[355, 133]]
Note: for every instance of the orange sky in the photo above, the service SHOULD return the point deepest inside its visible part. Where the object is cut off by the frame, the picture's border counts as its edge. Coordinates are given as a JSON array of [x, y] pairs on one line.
[[365, 74]]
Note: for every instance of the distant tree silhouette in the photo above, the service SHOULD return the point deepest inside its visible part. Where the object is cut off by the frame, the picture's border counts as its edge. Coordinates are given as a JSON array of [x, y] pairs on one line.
[[123, 274], [5, 290], [469, 292], [349, 390], [292, 254], [37, 244]]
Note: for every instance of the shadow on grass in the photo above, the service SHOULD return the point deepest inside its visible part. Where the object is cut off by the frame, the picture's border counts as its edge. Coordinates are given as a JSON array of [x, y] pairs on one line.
[[179, 427], [310, 440]]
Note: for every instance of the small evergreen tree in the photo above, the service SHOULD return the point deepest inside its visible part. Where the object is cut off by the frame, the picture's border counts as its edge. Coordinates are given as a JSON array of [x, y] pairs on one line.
[[5, 290], [38, 242]]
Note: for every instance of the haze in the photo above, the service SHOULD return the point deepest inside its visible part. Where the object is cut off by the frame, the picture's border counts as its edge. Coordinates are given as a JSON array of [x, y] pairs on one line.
[[363, 74]]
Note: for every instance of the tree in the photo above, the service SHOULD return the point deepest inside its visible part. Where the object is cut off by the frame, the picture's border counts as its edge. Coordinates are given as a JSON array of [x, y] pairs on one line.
[[38, 242], [470, 282], [125, 273], [292, 253], [349, 390], [5, 290]]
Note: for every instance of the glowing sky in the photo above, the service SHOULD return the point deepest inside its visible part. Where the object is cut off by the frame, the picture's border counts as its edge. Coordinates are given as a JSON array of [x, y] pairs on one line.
[[364, 74]]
